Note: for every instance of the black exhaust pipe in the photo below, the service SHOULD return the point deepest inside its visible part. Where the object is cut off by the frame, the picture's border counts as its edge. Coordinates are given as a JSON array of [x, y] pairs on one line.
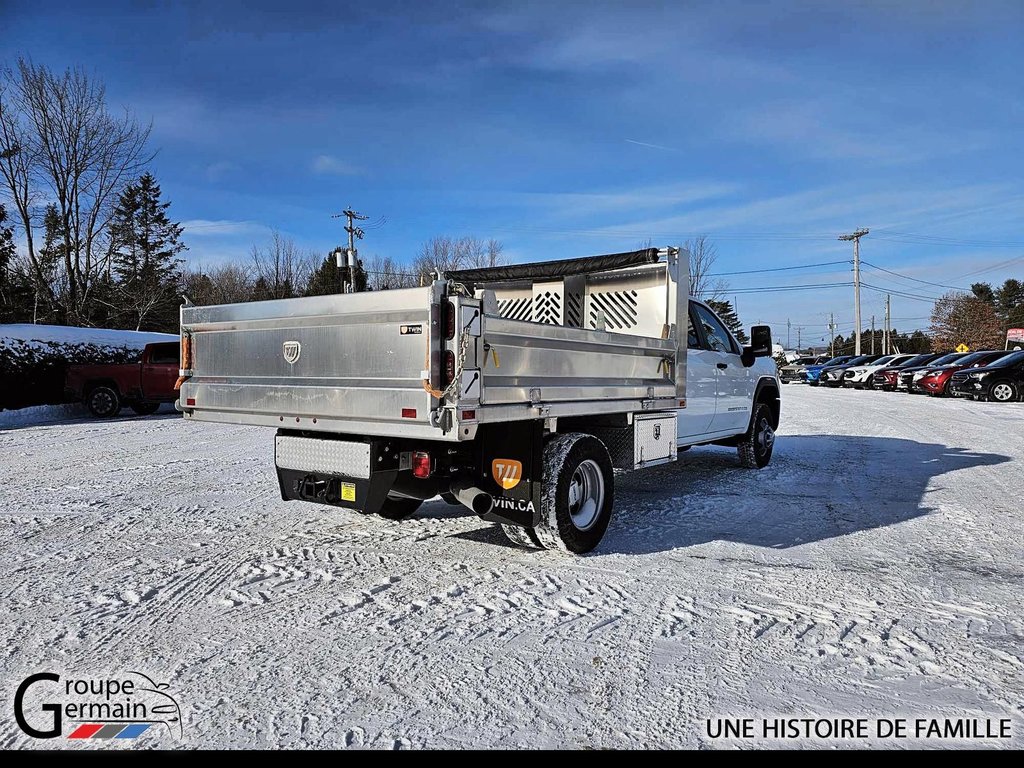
[[470, 496]]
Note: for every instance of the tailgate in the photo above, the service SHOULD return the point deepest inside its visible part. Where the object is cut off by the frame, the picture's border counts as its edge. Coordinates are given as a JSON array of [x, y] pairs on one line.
[[348, 362]]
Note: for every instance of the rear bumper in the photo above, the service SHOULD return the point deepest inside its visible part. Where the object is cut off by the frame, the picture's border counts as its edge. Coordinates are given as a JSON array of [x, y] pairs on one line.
[[343, 473]]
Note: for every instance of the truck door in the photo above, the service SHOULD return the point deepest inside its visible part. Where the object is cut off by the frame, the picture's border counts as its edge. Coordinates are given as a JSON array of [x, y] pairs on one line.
[[160, 372], [701, 386], [734, 389]]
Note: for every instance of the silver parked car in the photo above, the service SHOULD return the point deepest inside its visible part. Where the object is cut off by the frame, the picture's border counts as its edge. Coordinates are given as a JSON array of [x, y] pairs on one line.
[[797, 370]]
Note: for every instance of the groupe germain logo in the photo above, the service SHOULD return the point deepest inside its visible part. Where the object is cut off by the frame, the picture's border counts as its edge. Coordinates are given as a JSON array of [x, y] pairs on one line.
[[122, 707], [291, 350]]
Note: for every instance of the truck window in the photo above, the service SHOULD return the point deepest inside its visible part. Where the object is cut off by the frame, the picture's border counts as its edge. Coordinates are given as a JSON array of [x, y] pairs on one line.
[[718, 338], [692, 339], [164, 353]]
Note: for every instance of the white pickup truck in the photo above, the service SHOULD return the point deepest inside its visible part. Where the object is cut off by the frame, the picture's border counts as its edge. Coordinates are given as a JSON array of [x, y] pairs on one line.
[[516, 391]]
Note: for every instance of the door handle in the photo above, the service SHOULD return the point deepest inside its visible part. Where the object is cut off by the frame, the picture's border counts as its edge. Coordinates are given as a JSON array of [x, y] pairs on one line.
[[722, 366]]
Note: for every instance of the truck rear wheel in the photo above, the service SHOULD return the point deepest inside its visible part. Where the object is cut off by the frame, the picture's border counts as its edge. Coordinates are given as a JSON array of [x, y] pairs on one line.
[[103, 402], [399, 507], [145, 409], [579, 491], [756, 445]]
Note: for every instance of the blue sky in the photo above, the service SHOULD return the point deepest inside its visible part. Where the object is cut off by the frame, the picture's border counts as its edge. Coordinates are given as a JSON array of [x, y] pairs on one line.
[[565, 129]]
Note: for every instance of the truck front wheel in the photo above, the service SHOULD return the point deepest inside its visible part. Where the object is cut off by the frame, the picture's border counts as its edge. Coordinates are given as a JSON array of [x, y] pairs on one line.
[[103, 402], [756, 445], [579, 491]]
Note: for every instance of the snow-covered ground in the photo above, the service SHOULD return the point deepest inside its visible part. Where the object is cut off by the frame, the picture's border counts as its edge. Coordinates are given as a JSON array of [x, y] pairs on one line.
[[61, 334], [875, 569]]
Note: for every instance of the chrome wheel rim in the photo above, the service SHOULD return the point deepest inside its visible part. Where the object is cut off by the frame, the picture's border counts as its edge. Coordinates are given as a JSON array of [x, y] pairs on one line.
[[586, 495], [765, 437], [1002, 392]]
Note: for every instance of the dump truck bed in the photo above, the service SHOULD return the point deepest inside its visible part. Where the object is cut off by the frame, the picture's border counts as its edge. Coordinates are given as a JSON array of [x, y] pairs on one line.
[[439, 360]]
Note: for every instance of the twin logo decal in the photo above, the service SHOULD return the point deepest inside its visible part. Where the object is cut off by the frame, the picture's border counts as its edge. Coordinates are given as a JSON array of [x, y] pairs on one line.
[[507, 472], [291, 350]]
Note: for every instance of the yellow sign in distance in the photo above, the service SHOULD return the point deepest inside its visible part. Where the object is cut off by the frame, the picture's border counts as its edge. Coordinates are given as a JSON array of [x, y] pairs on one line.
[[962, 348]]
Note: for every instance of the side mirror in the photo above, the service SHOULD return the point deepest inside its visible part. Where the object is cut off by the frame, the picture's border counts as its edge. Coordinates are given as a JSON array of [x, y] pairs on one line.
[[760, 344]]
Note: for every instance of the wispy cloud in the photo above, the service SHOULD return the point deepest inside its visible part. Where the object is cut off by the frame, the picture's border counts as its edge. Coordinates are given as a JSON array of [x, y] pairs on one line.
[[649, 146], [220, 227], [331, 165], [626, 202]]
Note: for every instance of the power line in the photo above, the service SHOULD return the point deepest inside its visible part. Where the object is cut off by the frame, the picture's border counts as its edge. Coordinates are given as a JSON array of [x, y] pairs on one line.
[[914, 279], [778, 269], [781, 288], [994, 267], [901, 294], [910, 237]]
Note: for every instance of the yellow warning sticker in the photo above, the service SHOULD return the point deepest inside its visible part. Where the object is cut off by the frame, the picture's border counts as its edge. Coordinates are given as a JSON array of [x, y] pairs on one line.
[[348, 491]]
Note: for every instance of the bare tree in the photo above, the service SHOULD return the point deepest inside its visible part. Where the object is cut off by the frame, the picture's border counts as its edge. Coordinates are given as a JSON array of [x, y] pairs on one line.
[[282, 267], [226, 284], [384, 273], [960, 318], [58, 140], [446, 254], [703, 255]]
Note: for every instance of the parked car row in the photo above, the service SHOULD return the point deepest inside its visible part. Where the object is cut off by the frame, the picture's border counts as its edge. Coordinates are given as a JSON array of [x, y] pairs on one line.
[[991, 374]]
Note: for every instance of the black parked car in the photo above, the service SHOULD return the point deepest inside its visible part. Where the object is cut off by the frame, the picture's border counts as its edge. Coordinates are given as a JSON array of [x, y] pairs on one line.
[[905, 380], [833, 375], [1002, 381], [888, 378]]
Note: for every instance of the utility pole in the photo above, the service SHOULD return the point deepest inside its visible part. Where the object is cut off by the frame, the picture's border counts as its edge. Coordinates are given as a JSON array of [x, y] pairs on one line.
[[887, 338], [788, 326], [831, 334], [799, 329], [354, 233], [872, 334], [856, 235]]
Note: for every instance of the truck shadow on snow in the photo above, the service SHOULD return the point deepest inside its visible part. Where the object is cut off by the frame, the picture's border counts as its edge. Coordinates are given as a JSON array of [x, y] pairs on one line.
[[817, 487]]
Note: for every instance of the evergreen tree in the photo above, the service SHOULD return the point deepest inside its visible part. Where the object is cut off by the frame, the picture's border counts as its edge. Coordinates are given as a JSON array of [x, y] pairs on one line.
[[261, 290], [1010, 299], [145, 245], [326, 278], [727, 314], [984, 292]]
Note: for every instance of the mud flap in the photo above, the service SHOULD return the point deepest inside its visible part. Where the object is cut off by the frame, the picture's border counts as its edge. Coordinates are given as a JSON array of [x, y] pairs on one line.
[[511, 468]]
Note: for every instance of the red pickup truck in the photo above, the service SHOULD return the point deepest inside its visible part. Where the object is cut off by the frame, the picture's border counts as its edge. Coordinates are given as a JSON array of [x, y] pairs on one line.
[[106, 387]]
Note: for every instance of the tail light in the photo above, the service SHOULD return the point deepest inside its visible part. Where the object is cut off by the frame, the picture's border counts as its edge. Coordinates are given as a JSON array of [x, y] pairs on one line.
[[449, 368], [449, 320], [421, 465]]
